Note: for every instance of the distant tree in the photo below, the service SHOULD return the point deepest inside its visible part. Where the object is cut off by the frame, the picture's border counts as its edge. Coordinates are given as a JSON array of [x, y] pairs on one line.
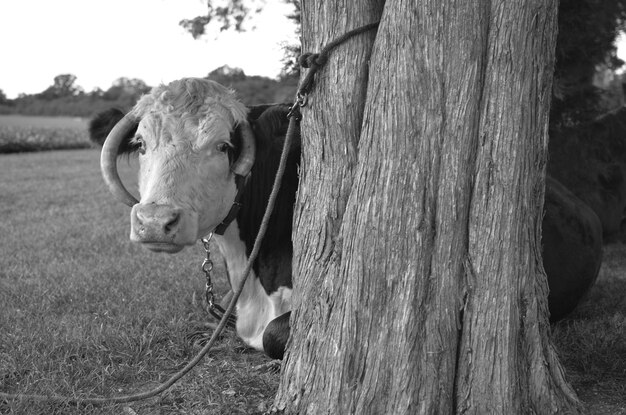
[[254, 90], [96, 93], [122, 87], [124, 92], [227, 75], [132, 85], [229, 14], [5, 103], [66, 98], [64, 85]]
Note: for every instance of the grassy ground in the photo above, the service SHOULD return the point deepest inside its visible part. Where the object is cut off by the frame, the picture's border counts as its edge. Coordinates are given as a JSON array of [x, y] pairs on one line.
[[85, 312], [20, 134]]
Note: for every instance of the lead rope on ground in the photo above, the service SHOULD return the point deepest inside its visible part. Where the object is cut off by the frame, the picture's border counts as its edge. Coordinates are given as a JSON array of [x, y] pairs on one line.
[[314, 62]]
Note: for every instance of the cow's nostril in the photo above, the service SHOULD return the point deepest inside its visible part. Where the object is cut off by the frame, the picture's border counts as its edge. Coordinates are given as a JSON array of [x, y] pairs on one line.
[[141, 218], [173, 223]]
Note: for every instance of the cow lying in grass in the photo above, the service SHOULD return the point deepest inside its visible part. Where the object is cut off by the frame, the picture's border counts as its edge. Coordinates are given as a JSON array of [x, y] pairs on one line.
[[200, 149]]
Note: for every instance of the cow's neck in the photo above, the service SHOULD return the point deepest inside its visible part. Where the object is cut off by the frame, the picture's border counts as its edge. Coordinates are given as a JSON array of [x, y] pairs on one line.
[[234, 251]]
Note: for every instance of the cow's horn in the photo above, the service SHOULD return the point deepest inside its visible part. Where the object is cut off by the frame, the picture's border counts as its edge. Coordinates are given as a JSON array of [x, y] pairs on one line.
[[108, 159], [244, 163]]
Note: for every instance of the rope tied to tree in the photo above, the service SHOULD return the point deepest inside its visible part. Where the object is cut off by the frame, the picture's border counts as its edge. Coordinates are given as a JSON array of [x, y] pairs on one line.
[[314, 61], [308, 60]]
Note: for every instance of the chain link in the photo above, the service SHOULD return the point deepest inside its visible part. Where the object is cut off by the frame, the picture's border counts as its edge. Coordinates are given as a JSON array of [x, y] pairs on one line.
[[207, 266], [301, 100]]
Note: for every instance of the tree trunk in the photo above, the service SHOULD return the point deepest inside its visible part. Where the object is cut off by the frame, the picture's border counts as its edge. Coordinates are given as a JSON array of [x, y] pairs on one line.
[[418, 285]]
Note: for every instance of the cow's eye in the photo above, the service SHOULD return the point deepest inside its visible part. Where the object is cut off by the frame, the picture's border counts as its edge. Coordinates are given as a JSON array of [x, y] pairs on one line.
[[140, 144], [224, 147]]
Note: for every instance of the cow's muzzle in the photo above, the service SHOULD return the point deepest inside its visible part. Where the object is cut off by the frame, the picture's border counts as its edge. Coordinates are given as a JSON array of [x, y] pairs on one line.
[[163, 228]]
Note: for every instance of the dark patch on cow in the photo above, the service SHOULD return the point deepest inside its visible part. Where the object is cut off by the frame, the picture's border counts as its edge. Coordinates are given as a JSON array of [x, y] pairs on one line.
[[572, 248], [273, 265], [254, 112], [276, 335], [101, 125]]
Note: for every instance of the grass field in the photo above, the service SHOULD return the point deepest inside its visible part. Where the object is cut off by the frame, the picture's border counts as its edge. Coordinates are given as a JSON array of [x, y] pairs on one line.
[[20, 133], [84, 312]]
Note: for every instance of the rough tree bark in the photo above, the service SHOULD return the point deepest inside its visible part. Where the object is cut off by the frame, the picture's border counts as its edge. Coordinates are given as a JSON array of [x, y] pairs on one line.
[[418, 284]]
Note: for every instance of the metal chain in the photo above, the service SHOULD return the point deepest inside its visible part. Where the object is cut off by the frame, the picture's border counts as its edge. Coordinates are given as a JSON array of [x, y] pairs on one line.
[[207, 266], [302, 99]]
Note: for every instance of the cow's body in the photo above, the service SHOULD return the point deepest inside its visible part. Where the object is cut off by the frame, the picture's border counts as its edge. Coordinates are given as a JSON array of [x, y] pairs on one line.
[[267, 293], [263, 298], [263, 307], [572, 248], [169, 131], [590, 161]]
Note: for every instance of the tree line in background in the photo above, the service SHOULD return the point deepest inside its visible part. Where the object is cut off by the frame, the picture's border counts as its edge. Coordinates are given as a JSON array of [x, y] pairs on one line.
[[65, 97], [586, 84]]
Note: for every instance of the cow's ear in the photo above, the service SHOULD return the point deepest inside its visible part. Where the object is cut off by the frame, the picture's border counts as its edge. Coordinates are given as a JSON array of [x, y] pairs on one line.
[[270, 127], [612, 177], [101, 125]]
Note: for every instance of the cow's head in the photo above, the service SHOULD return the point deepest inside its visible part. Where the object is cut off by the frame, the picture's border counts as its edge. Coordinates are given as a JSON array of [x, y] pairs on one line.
[[194, 145]]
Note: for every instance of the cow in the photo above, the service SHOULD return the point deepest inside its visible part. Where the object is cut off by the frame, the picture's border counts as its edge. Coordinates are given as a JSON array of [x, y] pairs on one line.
[[199, 149], [572, 248], [205, 157]]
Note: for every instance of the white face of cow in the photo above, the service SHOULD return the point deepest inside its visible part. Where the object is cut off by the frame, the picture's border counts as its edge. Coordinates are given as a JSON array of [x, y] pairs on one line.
[[185, 180]]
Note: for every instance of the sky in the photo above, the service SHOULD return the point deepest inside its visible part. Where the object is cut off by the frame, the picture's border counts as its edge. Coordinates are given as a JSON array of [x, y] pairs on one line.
[[101, 41]]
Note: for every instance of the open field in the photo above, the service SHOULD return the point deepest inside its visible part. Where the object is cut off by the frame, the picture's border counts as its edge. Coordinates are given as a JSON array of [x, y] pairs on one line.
[[20, 133], [85, 312]]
